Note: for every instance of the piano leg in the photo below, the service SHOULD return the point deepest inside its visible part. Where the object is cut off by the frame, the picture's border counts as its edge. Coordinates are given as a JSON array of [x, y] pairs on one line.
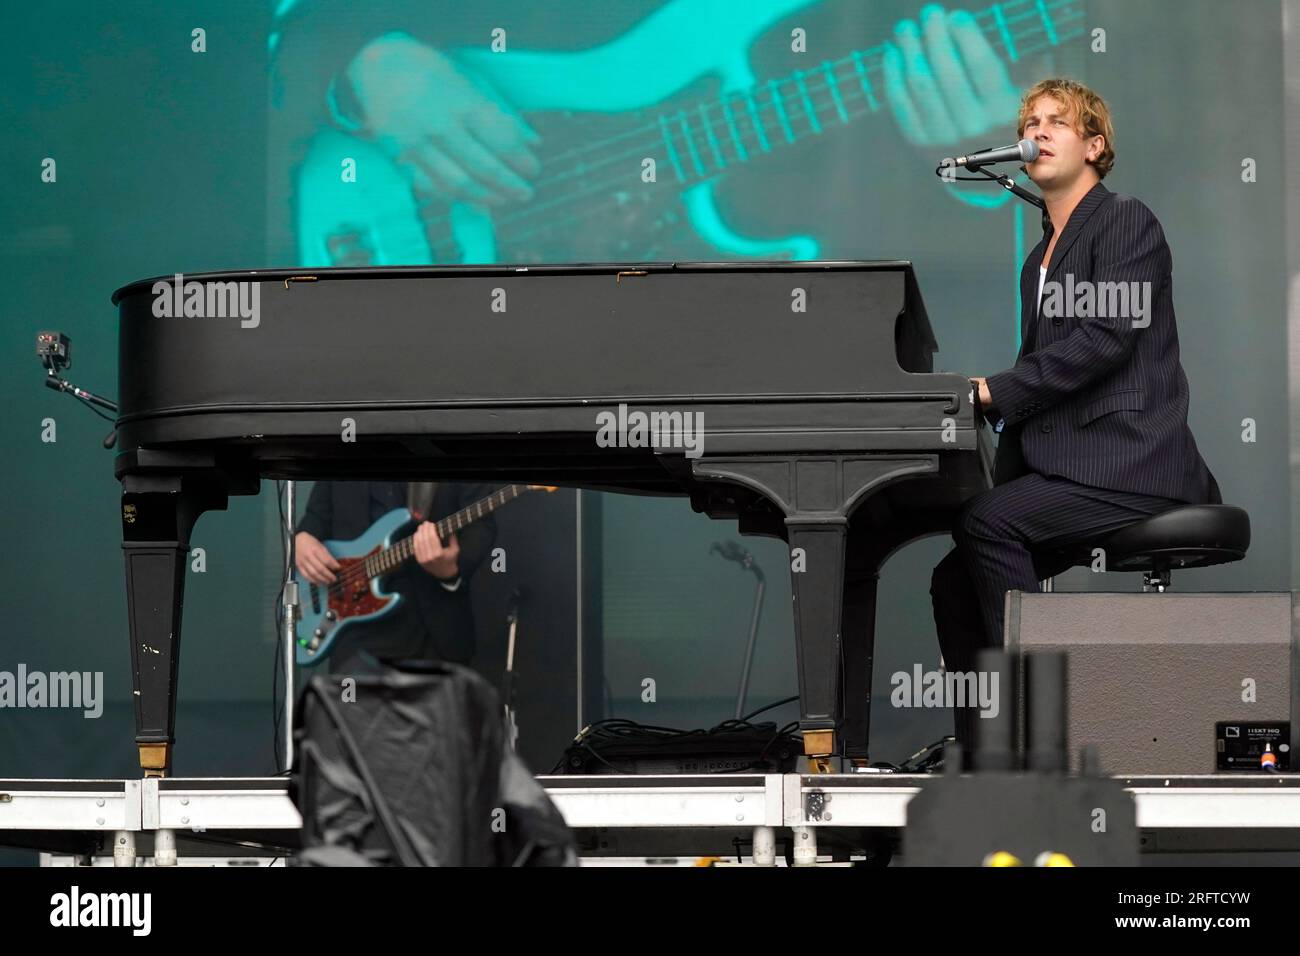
[[817, 497], [158, 514], [873, 537], [859, 642], [817, 579]]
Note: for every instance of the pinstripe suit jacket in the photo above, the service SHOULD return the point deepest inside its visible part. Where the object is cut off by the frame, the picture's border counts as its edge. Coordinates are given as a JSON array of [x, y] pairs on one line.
[[1101, 399]]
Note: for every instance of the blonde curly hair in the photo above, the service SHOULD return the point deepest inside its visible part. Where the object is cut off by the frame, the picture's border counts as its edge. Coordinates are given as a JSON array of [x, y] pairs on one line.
[[1089, 112]]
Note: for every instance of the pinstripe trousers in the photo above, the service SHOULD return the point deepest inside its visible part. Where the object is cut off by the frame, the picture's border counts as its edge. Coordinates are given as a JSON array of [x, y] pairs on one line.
[[1006, 540]]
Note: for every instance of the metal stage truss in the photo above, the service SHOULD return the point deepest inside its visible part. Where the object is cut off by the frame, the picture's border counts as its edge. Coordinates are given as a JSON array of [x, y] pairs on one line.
[[159, 820]]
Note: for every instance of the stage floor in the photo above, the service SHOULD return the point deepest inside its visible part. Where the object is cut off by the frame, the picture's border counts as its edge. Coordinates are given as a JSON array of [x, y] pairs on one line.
[[615, 816]]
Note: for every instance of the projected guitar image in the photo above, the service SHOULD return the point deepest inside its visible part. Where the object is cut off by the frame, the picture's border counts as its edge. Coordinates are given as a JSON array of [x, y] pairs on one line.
[[674, 92], [356, 595]]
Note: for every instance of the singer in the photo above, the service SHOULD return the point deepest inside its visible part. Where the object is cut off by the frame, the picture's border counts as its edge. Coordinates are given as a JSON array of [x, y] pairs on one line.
[[1093, 414]]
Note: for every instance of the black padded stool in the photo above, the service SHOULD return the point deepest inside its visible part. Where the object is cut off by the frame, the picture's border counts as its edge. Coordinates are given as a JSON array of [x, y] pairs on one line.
[[1193, 536]]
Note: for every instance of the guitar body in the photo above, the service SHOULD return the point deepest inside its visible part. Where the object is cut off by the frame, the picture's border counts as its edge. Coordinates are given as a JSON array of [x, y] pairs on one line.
[[329, 612], [619, 92]]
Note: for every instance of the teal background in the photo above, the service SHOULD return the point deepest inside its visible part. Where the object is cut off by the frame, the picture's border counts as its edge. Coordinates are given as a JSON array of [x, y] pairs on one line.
[[173, 161]]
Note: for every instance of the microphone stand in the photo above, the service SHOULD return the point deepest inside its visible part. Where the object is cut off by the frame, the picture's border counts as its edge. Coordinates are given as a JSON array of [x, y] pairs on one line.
[[62, 385], [1003, 180], [1009, 184], [52, 380], [289, 623], [733, 552], [508, 680]]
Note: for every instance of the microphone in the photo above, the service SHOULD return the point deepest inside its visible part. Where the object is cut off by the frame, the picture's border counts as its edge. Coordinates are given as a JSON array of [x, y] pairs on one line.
[[731, 551], [517, 595], [1025, 151]]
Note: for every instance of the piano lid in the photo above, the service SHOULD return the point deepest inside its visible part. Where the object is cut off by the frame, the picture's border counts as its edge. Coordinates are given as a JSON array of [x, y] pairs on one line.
[[605, 268]]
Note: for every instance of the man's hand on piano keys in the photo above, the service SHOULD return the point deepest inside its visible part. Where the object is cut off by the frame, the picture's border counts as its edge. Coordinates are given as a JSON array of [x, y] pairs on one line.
[[443, 562], [313, 559]]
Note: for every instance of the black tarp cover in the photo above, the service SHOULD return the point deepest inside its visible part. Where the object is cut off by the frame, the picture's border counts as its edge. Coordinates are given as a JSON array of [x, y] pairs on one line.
[[410, 766]]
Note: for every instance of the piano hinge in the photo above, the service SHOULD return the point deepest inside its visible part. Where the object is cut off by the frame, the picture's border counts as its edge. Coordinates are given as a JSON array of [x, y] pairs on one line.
[[629, 272], [298, 279]]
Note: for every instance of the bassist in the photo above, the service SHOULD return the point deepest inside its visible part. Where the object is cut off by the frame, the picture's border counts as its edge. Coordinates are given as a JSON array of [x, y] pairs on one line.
[[435, 620]]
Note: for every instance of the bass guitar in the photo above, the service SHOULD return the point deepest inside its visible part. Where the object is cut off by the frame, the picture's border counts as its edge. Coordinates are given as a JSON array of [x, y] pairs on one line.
[[357, 594]]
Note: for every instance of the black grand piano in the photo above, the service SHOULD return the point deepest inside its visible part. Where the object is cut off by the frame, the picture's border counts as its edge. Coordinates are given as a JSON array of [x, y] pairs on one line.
[[823, 421]]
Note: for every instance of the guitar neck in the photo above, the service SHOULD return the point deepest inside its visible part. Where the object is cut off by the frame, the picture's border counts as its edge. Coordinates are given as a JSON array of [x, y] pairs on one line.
[[702, 142], [389, 559], [484, 506]]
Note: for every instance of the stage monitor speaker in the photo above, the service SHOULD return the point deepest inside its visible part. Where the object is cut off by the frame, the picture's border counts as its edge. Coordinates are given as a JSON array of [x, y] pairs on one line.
[[1152, 675]]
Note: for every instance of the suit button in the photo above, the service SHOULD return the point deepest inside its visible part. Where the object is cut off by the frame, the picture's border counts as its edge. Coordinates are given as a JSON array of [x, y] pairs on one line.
[[1058, 320], [1046, 427]]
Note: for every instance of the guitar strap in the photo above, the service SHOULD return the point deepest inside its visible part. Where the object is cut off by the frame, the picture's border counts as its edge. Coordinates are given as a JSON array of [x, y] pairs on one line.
[[419, 498]]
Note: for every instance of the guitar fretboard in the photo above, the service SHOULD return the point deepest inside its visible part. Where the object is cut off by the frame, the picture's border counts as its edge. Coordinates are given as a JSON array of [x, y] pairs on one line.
[[389, 559], [699, 141], [712, 136]]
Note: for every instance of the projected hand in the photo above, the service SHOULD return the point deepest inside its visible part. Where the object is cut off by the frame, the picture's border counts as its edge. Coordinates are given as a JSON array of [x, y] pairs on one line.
[[455, 140], [944, 82]]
